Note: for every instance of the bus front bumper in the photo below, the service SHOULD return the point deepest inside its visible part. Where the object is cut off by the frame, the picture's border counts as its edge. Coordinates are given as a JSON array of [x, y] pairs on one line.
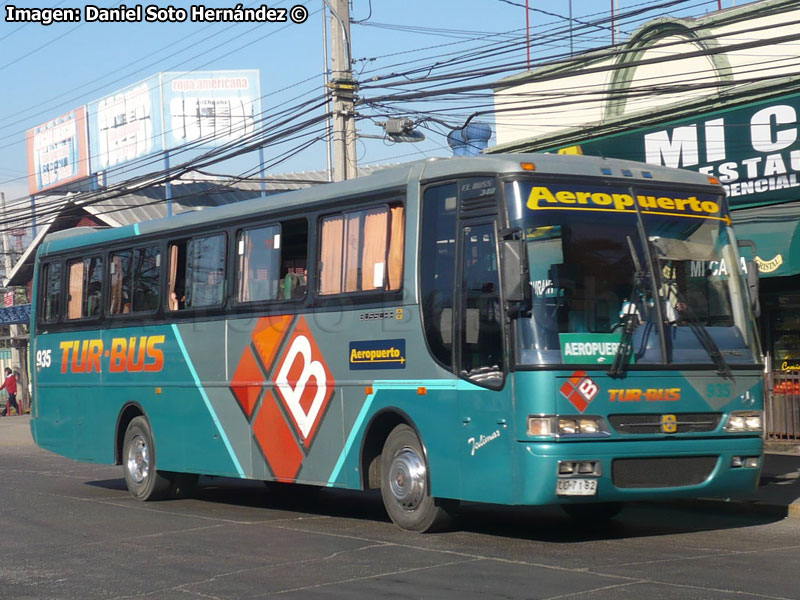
[[627, 471]]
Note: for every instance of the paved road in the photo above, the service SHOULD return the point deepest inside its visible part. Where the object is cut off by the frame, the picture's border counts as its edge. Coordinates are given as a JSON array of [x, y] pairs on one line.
[[70, 530]]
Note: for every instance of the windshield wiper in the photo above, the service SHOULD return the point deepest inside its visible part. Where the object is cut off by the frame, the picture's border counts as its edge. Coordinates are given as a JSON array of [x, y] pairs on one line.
[[684, 309], [629, 324]]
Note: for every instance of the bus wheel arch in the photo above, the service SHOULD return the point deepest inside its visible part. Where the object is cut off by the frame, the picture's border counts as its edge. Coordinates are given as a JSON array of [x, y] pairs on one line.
[[130, 411], [379, 428]]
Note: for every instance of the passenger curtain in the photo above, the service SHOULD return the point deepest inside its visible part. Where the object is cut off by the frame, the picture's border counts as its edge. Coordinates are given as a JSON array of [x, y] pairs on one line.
[[396, 244], [244, 268], [174, 301], [331, 256], [352, 242], [75, 290], [373, 257], [116, 285]]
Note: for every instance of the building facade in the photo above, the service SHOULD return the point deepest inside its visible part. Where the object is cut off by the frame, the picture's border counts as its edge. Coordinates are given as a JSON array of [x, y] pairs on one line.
[[719, 94]]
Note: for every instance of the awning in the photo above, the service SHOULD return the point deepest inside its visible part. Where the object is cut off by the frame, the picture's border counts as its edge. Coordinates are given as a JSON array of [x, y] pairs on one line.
[[775, 230]]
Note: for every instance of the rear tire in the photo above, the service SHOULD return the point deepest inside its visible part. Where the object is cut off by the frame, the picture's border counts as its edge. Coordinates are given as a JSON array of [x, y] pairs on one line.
[[404, 484], [601, 511], [139, 463]]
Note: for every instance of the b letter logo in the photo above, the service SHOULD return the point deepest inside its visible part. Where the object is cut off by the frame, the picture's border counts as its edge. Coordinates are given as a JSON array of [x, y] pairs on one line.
[[285, 421], [580, 390], [304, 383]]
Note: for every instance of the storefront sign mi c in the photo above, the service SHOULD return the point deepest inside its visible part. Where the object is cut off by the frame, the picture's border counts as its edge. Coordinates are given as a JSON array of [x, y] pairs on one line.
[[754, 150]]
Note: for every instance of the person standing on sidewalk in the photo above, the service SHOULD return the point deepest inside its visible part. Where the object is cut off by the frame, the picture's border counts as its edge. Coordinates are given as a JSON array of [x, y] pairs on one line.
[[10, 385]]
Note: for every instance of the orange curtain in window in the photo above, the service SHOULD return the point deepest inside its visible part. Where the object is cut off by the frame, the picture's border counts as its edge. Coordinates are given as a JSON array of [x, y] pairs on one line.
[[173, 300], [75, 290], [116, 286], [352, 242], [244, 268], [373, 256], [330, 260], [396, 245]]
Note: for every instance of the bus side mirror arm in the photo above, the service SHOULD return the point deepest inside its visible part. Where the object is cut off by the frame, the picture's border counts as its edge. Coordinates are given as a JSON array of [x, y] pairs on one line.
[[752, 286], [514, 271], [752, 276]]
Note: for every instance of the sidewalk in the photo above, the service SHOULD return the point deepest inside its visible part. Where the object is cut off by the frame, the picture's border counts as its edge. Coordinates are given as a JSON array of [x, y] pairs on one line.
[[780, 485], [778, 494], [15, 431]]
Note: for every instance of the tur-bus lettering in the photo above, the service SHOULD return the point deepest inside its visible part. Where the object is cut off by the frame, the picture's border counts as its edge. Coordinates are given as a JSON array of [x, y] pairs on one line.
[[125, 355]]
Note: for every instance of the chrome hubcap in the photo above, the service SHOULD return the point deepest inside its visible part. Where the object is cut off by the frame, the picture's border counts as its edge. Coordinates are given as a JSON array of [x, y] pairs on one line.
[[138, 462], [407, 478]]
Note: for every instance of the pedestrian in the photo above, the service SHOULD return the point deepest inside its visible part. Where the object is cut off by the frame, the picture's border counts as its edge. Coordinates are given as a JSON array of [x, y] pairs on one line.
[[10, 385]]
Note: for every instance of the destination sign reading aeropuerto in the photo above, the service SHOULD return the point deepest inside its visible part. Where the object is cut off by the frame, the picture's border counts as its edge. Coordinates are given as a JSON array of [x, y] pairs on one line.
[[547, 197]]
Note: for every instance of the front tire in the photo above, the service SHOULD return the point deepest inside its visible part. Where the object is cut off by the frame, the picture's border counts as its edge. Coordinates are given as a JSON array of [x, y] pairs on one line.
[[139, 463], [404, 484]]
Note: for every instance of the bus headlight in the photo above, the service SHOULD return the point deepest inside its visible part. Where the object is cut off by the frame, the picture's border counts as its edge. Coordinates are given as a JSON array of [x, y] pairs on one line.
[[582, 426], [554, 425], [744, 421]]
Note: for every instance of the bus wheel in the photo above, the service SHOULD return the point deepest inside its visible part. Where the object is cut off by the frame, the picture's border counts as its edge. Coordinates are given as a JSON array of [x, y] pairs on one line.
[[139, 463], [601, 511], [404, 484]]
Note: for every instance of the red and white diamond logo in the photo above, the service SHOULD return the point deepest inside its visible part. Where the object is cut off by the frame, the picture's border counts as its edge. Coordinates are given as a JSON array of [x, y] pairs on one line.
[[580, 390]]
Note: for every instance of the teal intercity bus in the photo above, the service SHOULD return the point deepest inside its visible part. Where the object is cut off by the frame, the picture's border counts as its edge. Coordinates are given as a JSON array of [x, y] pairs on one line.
[[520, 329]]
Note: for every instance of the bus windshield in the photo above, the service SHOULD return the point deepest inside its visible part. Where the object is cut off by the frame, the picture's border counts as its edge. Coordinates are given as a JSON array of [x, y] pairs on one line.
[[602, 254]]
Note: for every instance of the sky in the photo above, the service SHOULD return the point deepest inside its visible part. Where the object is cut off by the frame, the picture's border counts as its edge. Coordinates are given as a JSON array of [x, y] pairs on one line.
[[47, 71]]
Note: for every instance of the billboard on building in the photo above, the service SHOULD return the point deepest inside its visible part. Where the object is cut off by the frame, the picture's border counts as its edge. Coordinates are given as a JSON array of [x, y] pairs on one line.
[[170, 109], [126, 125], [753, 149], [58, 151], [210, 107]]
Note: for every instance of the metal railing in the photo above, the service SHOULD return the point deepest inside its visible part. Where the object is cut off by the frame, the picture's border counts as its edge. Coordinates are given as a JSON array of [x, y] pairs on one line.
[[782, 406]]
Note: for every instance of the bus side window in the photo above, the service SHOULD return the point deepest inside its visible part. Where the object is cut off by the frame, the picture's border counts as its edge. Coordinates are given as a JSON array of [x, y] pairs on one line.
[[294, 257], [146, 279], [205, 271], [75, 288], [84, 288], [362, 250], [93, 286], [51, 305], [196, 276], [258, 264], [120, 282], [437, 268]]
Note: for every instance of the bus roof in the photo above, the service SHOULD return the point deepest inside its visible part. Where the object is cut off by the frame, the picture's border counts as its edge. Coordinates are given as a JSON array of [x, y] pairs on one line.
[[385, 179]]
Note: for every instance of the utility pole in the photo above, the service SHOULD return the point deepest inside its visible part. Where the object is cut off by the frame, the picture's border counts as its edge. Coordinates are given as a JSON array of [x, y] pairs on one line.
[[326, 74], [343, 89]]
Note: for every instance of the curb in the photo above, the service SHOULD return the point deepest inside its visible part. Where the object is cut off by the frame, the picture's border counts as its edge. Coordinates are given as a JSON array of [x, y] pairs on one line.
[[751, 507]]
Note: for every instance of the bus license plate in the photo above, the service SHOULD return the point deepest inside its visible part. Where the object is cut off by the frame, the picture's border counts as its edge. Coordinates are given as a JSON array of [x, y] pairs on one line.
[[576, 487]]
